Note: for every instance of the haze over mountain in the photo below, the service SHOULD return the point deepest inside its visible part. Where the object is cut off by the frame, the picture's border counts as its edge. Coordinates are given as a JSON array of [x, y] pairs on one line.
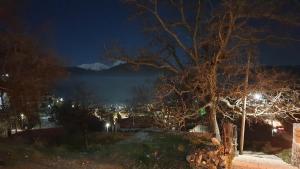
[[109, 85], [114, 84]]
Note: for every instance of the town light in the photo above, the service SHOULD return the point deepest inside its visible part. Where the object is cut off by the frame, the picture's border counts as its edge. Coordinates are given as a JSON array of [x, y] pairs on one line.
[[107, 126], [61, 99], [22, 116]]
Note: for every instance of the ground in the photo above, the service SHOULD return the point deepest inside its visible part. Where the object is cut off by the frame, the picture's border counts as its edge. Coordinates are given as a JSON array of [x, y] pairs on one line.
[[254, 160], [48, 149], [106, 151]]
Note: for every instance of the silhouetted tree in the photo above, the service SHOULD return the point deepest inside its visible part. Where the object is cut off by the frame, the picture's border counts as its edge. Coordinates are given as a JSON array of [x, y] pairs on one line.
[[204, 45], [77, 115], [27, 70]]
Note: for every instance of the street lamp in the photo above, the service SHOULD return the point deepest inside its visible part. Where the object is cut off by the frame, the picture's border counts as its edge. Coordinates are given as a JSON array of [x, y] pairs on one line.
[[107, 126], [257, 96]]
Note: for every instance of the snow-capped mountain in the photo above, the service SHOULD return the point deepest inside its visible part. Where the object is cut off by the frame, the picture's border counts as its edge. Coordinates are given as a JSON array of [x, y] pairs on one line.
[[100, 66], [94, 66], [117, 63]]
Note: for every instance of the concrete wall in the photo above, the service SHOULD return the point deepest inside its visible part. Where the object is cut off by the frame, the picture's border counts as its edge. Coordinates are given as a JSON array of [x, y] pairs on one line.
[[296, 145]]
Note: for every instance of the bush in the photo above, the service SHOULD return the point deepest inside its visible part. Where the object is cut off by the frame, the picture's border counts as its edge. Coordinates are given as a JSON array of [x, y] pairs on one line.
[[77, 119]]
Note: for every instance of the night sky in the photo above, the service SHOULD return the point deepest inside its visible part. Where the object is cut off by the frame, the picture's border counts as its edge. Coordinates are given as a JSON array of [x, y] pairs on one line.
[[79, 30]]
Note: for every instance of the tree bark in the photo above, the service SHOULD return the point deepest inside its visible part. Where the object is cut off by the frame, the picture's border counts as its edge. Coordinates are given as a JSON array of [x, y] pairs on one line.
[[213, 92], [213, 121], [243, 128]]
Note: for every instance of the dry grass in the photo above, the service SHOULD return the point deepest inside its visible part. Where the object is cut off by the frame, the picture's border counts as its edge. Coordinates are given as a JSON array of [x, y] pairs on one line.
[[116, 150]]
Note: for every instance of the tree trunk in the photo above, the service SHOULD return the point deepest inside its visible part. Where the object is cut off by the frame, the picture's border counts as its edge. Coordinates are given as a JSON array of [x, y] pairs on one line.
[[213, 121], [213, 92], [243, 127]]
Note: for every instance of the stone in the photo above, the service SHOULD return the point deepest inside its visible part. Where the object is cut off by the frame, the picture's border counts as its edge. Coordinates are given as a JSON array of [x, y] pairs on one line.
[[188, 158], [198, 160], [215, 141]]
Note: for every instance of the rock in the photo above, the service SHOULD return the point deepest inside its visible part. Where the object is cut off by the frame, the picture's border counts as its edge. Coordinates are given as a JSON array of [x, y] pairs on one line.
[[215, 141], [198, 160], [210, 156], [189, 158]]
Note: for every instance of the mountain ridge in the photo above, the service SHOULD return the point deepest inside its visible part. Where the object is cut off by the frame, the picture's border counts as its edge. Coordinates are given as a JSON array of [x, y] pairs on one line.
[[117, 70]]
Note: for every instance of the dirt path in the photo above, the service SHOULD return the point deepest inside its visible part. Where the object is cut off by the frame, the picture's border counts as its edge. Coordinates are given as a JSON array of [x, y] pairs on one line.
[[137, 138], [254, 160]]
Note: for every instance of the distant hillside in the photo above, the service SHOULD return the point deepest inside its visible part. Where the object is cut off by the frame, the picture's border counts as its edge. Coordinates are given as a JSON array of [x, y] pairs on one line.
[[114, 85], [129, 70], [126, 69], [119, 70]]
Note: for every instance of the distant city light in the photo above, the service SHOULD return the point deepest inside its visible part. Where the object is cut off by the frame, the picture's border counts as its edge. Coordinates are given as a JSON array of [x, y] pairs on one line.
[[22, 116], [107, 126], [61, 99], [5, 75], [73, 105]]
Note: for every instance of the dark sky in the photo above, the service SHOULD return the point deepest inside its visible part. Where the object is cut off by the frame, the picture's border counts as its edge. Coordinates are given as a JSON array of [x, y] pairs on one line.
[[78, 30]]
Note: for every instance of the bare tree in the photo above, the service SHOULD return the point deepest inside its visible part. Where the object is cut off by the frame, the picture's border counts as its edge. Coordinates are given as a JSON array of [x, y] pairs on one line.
[[206, 42], [30, 73]]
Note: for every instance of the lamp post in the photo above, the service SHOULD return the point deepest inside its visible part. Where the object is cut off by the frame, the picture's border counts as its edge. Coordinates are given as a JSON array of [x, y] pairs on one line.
[[256, 97]]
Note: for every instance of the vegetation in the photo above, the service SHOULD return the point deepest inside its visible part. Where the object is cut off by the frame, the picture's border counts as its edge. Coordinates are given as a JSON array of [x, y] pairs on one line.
[[128, 150], [27, 71], [285, 155], [209, 50]]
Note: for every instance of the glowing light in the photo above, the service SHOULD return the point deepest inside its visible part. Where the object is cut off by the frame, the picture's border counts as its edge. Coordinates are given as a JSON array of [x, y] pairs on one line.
[[107, 126], [61, 99], [22, 116], [257, 96], [73, 105]]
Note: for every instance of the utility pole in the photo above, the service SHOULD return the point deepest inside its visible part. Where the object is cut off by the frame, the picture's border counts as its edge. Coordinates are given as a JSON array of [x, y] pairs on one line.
[[242, 137]]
